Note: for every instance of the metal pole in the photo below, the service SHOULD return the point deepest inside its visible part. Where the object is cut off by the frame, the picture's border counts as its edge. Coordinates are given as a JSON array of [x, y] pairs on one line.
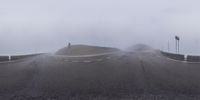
[[178, 46]]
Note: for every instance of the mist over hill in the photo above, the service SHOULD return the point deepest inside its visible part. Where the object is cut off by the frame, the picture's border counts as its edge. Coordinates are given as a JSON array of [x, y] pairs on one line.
[[84, 50]]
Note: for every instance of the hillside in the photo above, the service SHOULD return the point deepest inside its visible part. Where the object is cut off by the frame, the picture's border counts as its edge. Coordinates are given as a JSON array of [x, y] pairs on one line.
[[84, 50]]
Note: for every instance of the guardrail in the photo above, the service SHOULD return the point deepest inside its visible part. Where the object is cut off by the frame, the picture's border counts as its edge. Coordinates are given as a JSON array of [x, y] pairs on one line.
[[181, 57], [174, 56], [17, 57], [4, 58], [193, 58]]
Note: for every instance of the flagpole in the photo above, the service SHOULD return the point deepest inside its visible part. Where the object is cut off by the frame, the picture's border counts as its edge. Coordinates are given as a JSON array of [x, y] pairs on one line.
[[176, 45]]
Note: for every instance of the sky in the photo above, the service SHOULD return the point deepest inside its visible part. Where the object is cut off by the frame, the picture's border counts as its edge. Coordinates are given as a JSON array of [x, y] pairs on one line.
[[33, 26]]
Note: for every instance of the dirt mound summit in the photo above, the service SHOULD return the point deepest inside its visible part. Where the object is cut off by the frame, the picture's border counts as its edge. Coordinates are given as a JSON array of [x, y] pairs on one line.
[[74, 50]]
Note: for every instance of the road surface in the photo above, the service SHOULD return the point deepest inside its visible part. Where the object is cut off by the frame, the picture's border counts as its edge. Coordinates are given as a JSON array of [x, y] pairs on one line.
[[133, 75]]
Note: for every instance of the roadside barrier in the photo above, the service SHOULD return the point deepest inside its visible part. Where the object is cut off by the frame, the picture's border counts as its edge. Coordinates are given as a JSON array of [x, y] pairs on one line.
[[174, 56], [193, 58], [4, 58], [17, 57]]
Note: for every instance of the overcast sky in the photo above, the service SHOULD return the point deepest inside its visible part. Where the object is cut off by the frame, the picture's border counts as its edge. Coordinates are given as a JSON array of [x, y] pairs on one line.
[[28, 26]]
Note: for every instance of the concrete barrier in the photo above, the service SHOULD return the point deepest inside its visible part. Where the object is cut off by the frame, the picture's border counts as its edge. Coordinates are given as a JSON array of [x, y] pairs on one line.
[[174, 56], [18, 57], [193, 58], [4, 58]]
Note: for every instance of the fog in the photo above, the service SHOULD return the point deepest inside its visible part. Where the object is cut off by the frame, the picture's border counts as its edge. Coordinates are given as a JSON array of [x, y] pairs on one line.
[[32, 26]]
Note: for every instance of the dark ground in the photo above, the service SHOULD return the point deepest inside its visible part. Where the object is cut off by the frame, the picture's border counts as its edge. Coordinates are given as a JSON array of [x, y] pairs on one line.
[[139, 75]]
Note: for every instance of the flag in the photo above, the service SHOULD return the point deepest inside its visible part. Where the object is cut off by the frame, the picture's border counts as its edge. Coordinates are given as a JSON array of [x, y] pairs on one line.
[[177, 38]]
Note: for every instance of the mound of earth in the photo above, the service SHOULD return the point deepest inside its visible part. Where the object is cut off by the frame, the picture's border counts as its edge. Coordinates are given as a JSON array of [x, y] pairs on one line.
[[84, 50]]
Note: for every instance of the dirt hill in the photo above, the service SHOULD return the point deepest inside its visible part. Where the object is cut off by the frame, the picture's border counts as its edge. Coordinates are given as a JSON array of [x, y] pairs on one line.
[[84, 50]]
